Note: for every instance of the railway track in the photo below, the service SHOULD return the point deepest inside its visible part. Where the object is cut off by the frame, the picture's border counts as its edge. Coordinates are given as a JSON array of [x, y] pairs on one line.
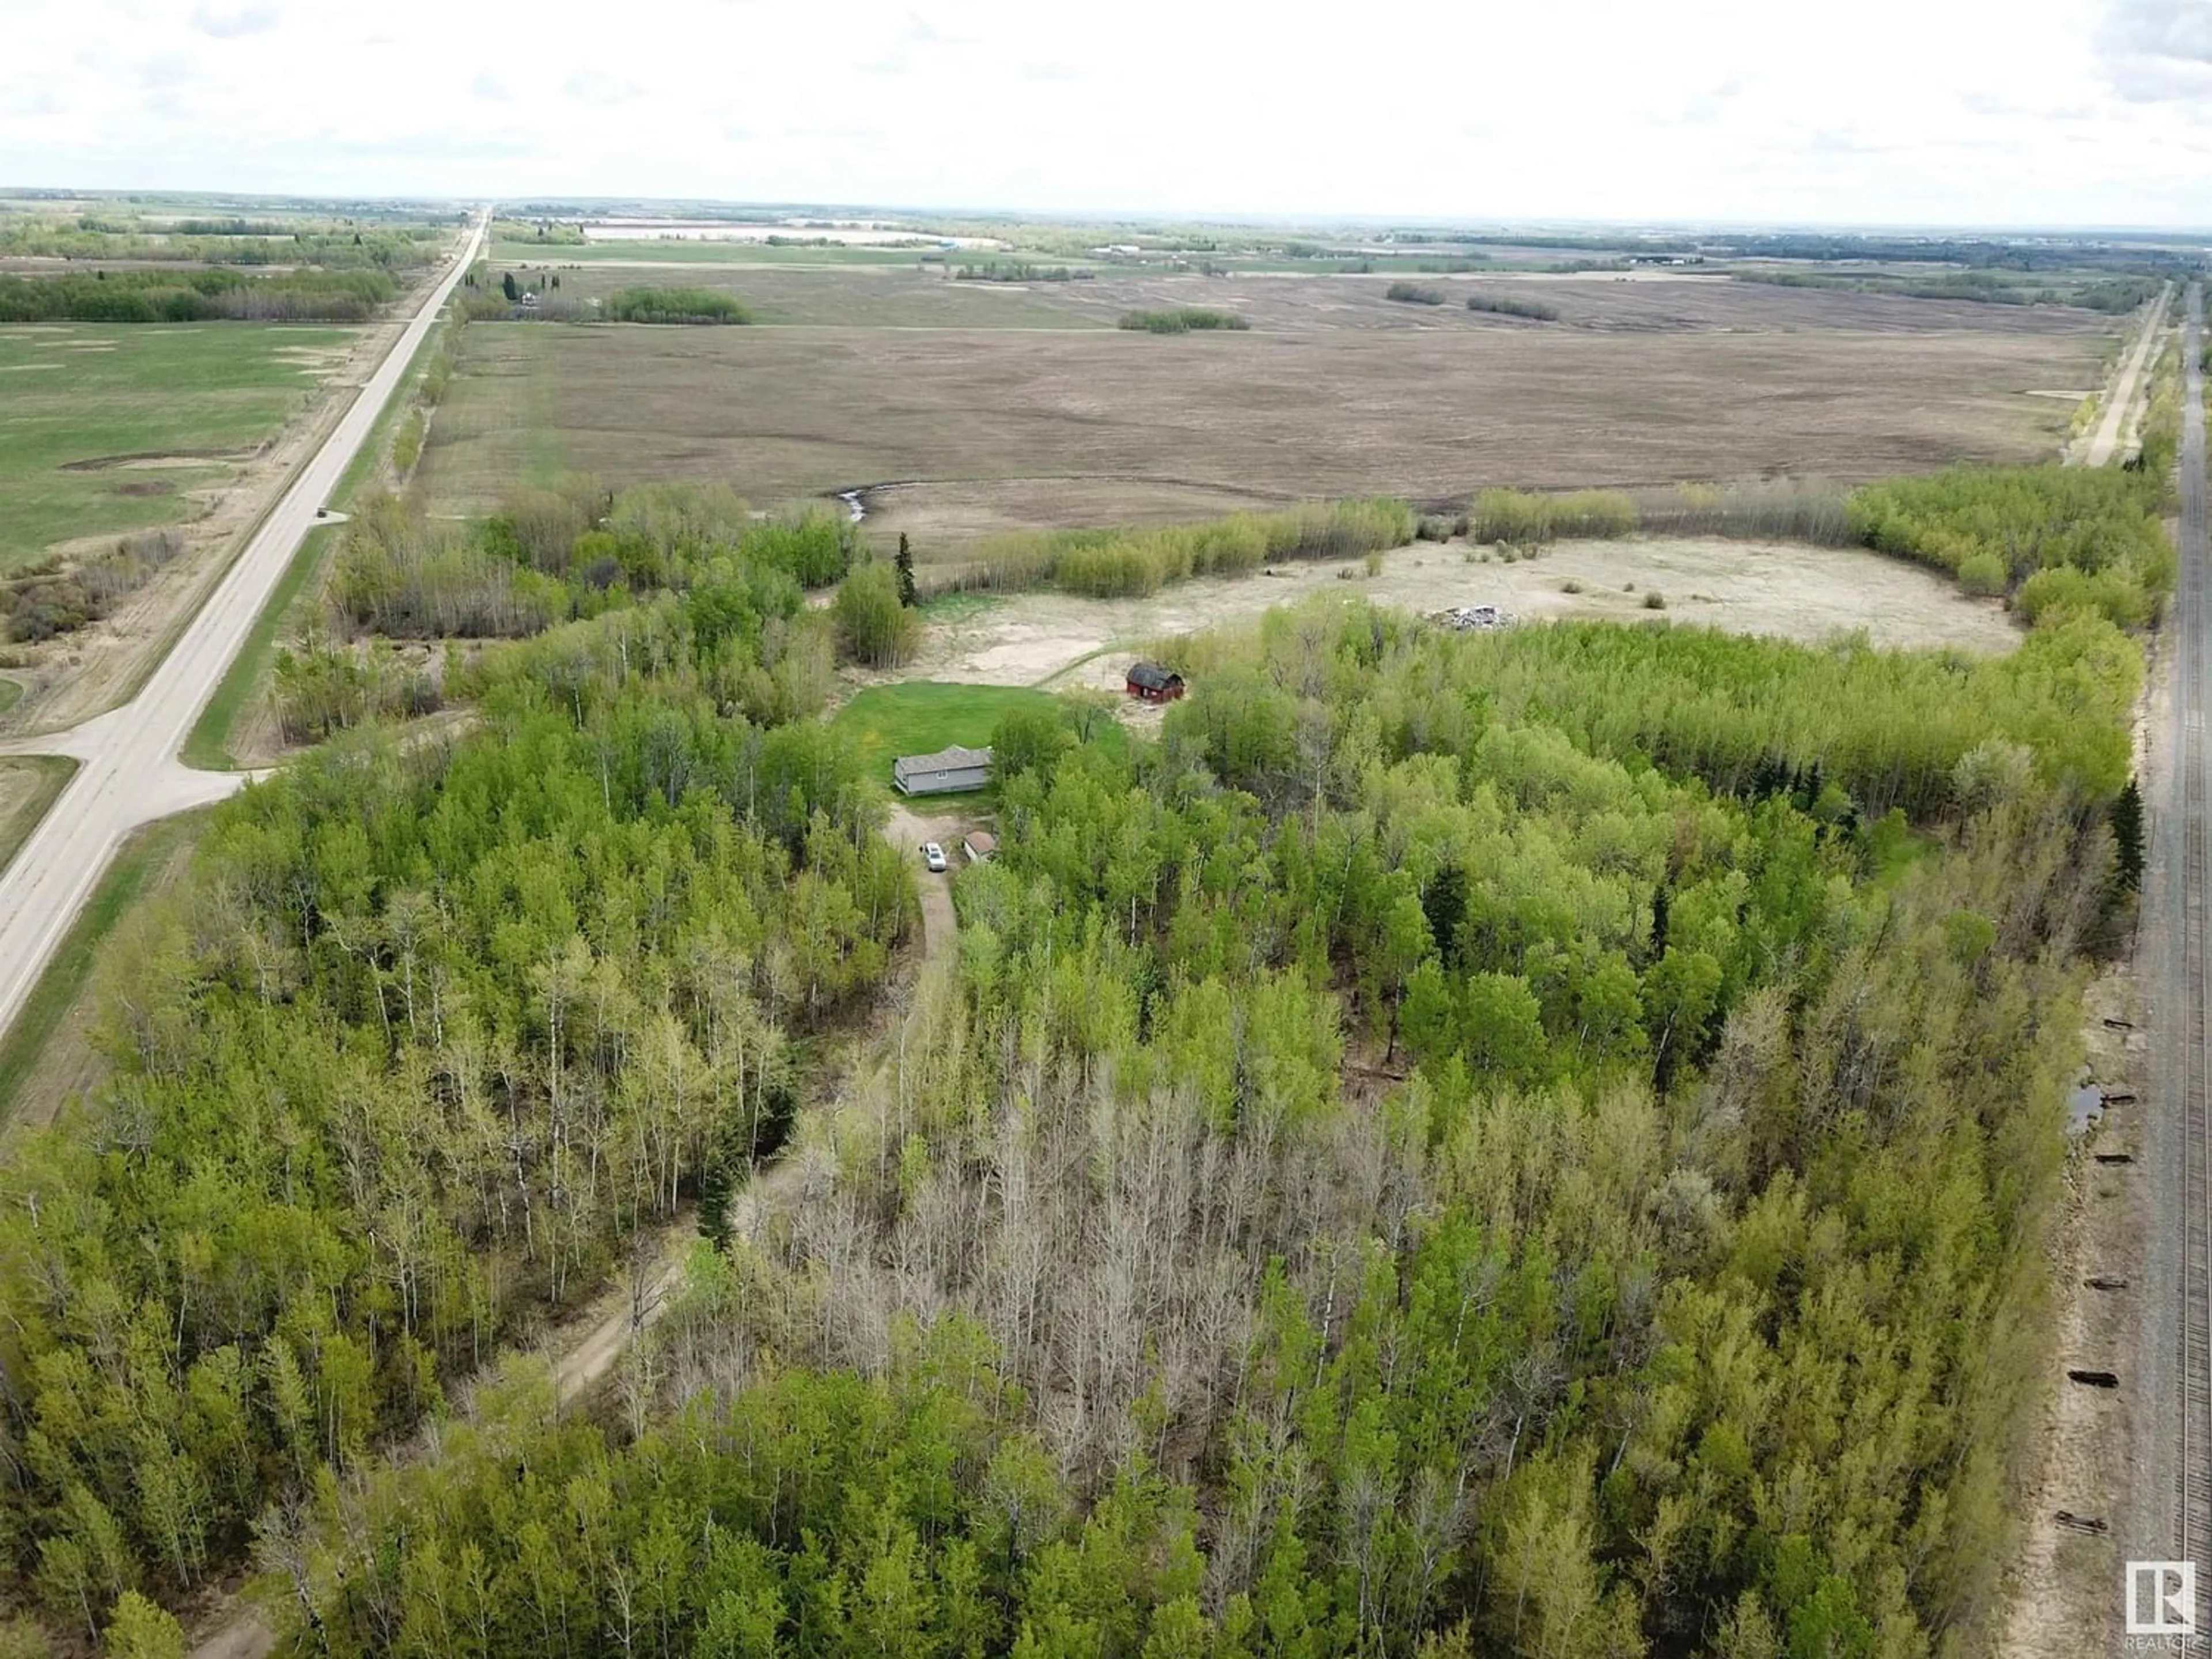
[[2193, 1024]]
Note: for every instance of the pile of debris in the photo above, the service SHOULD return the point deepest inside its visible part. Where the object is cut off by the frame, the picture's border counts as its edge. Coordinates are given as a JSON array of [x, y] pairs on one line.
[[1466, 618]]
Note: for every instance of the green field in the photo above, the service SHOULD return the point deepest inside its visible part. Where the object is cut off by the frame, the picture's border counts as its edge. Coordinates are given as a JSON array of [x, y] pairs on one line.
[[922, 716], [185, 404]]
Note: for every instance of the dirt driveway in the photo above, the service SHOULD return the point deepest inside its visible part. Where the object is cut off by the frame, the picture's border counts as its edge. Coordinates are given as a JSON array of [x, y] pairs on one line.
[[906, 829]]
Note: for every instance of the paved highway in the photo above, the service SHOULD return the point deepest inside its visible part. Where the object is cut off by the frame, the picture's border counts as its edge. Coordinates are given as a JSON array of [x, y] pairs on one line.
[[130, 774]]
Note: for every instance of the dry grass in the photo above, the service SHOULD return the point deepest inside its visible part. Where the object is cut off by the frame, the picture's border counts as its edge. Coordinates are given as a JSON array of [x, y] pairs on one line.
[[1334, 393]]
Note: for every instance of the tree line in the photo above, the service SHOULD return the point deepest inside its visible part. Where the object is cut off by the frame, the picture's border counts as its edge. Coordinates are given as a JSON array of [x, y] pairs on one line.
[[1535, 311], [331, 246], [197, 296], [672, 305], [2051, 538], [1182, 319], [1116, 563]]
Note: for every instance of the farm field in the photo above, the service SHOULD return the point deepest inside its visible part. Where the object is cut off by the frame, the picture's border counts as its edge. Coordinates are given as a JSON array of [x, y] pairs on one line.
[[896, 294], [108, 428], [1335, 392], [672, 252]]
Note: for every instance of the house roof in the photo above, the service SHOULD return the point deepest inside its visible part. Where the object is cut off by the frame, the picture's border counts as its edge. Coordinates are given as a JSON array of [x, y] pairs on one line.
[[982, 840], [944, 760], [1151, 676]]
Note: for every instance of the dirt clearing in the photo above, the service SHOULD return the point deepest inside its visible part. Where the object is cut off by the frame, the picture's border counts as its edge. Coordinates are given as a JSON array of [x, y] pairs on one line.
[[1808, 593]]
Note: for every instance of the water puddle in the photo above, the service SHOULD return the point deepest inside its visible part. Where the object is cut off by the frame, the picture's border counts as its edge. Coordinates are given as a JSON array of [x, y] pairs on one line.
[[2085, 1107]]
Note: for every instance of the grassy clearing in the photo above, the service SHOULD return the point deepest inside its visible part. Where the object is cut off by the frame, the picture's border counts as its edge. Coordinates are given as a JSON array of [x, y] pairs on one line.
[[11, 693], [944, 608], [195, 395], [922, 716], [62, 988], [209, 745], [28, 786]]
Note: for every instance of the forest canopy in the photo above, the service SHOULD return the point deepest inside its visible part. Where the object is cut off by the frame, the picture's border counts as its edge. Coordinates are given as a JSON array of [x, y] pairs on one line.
[[1394, 1169], [1542, 1142]]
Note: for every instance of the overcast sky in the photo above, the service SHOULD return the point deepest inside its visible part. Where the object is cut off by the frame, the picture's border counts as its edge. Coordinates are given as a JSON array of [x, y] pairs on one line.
[[1978, 112]]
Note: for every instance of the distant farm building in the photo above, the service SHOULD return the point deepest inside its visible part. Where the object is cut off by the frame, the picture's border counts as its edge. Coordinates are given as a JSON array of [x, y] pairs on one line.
[[1154, 683], [981, 846], [944, 773]]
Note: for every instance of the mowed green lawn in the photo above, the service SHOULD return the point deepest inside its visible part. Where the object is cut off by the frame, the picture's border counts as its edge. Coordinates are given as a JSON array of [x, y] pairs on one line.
[[202, 395], [922, 716]]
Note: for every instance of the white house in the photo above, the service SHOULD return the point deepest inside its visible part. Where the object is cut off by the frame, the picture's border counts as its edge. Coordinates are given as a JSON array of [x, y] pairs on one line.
[[945, 773]]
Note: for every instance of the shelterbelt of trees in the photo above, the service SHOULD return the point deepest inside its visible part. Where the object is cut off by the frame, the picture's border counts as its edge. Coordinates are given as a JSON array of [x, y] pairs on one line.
[[332, 246], [196, 297], [1542, 1143], [1448, 1151]]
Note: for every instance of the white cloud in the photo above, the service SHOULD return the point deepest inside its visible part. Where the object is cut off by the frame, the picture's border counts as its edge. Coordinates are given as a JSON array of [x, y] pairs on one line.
[[1886, 110], [230, 22]]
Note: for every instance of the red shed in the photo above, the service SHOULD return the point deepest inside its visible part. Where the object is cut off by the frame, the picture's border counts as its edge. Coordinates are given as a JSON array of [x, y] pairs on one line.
[[1154, 683]]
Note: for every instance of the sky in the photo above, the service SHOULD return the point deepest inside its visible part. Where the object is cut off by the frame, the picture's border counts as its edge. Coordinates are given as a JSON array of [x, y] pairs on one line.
[[2094, 113]]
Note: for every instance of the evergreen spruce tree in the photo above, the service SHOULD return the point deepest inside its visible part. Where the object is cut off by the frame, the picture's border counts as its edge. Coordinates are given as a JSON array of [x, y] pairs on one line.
[[907, 597], [2128, 839]]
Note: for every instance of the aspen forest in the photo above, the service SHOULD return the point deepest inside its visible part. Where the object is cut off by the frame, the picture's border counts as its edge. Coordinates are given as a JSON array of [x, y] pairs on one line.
[[1539, 1143]]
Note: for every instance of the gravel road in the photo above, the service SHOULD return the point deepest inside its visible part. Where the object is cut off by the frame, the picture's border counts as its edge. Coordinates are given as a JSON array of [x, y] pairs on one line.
[[2170, 1468], [2114, 416]]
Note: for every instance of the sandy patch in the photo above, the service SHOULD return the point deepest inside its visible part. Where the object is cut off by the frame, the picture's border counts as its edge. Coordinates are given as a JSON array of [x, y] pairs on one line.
[[21, 368], [1808, 593]]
